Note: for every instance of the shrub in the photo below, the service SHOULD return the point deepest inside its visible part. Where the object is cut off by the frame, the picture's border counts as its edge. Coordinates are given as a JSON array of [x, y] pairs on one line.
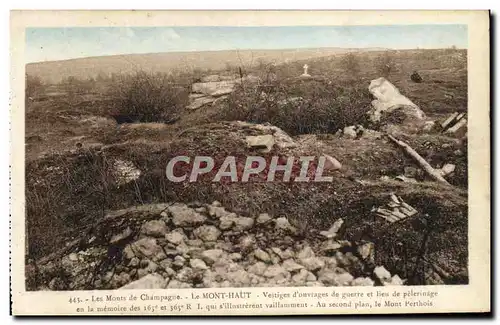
[[313, 107], [148, 97], [34, 86], [385, 64], [350, 63]]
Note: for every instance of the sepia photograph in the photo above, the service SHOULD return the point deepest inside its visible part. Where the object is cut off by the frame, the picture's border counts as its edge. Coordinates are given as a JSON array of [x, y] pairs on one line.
[[235, 156]]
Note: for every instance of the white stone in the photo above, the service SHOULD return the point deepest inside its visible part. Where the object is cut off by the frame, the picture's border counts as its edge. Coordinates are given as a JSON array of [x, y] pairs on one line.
[[197, 264], [155, 228], [264, 143], [382, 274], [182, 215], [262, 255], [388, 99], [263, 218], [207, 233], [291, 266]]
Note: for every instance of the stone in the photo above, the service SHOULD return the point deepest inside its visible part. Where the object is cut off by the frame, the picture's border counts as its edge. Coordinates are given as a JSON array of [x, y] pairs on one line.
[[330, 247], [258, 268], [134, 262], [284, 224], [207, 233], [382, 274], [150, 281], [331, 163], [155, 228], [388, 99], [239, 277], [121, 236], [235, 256], [147, 247], [415, 77], [332, 232], [350, 132], [363, 282], [175, 237], [262, 255], [214, 88], [301, 276], [312, 263], [263, 218], [243, 223], [264, 143], [277, 272], [226, 222], [197, 264], [73, 257], [396, 281], [212, 255], [366, 251], [306, 252], [291, 266], [179, 261], [185, 274], [447, 169], [183, 216]]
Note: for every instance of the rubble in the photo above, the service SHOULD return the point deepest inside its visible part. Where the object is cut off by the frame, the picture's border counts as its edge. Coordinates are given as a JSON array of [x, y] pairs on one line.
[[455, 125], [218, 258], [397, 209]]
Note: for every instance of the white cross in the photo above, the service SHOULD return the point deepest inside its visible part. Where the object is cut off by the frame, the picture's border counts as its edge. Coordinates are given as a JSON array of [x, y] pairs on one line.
[[305, 68]]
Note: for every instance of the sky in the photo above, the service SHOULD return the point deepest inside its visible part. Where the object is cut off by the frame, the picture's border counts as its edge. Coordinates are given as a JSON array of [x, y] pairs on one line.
[[49, 44]]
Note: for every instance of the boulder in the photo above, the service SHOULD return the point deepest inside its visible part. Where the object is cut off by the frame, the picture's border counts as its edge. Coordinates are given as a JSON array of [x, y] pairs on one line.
[[388, 99], [183, 216]]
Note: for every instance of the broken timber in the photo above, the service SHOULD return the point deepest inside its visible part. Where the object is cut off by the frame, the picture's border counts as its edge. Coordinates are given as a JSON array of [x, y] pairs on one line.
[[421, 161], [396, 210]]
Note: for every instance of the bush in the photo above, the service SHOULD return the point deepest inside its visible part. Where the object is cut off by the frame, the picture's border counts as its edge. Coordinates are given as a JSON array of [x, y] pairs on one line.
[[385, 64], [313, 107], [34, 86], [148, 97], [350, 63]]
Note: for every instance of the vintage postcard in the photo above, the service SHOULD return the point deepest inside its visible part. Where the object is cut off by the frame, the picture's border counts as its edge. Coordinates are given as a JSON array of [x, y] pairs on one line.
[[250, 162]]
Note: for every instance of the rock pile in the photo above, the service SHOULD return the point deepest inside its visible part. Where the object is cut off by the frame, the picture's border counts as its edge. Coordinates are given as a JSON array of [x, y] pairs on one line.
[[202, 246]]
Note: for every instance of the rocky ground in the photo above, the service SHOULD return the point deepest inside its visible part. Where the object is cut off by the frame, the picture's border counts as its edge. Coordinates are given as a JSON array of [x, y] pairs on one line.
[[102, 215], [204, 246]]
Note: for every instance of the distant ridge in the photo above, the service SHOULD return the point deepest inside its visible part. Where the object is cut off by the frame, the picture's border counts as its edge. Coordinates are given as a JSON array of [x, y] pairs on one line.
[[54, 71]]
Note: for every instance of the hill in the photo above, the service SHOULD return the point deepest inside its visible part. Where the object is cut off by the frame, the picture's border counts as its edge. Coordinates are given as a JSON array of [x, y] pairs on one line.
[[55, 71]]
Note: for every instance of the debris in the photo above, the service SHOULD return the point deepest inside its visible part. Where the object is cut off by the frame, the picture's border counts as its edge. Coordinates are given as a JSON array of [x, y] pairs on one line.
[[455, 124], [421, 161], [448, 121], [332, 232], [405, 179], [429, 126], [396, 210], [447, 169]]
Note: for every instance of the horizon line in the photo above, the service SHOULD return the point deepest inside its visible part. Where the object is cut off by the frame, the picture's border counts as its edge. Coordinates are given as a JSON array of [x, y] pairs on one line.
[[375, 48]]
